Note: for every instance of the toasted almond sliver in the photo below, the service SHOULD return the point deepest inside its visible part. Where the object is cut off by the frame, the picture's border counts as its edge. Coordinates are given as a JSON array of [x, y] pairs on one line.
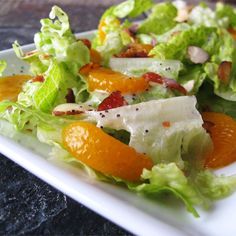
[[197, 55], [224, 71]]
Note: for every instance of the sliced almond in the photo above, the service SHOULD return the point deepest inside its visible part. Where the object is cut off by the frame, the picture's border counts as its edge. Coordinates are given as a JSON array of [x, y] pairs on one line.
[[69, 109], [197, 55], [224, 71], [182, 16]]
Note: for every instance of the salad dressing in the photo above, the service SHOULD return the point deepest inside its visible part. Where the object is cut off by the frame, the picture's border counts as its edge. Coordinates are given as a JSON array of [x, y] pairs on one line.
[[10, 86]]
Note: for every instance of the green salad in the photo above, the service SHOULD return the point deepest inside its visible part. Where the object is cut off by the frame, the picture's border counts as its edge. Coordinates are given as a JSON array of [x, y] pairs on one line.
[[149, 105]]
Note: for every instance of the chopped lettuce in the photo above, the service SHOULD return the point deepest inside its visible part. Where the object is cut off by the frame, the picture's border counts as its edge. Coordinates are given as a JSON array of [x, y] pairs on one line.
[[55, 41], [227, 13], [132, 8], [192, 78], [168, 178], [160, 20], [112, 35], [139, 66], [176, 47], [203, 15], [155, 92]]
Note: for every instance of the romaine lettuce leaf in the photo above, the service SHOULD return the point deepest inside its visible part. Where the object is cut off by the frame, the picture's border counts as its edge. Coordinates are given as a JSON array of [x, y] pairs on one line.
[[203, 15], [168, 178], [176, 47], [115, 36], [227, 12], [132, 8], [160, 20], [155, 92], [139, 66], [192, 78], [215, 187], [55, 41], [44, 98]]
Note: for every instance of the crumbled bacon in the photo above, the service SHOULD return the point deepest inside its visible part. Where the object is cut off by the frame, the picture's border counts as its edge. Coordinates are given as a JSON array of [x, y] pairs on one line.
[[86, 42], [224, 71], [114, 100], [38, 78], [166, 124], [136, 50], [70, 97], [169, 83]]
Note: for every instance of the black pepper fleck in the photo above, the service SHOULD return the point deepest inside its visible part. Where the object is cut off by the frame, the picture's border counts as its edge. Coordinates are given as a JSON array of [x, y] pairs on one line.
[[103, 116], [146, 131], [118, 115], [137, 109]]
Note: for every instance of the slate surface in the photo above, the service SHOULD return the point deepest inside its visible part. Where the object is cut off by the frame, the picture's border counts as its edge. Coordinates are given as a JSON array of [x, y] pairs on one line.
[[29, 206]]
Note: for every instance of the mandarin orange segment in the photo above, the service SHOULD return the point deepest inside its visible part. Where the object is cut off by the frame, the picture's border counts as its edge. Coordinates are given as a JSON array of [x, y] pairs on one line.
[[110, 81], [104, 153], [95, 56], [222, 129], [11, 86]]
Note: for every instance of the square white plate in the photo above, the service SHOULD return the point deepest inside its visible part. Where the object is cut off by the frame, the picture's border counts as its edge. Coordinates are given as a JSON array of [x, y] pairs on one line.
[[137, 214]]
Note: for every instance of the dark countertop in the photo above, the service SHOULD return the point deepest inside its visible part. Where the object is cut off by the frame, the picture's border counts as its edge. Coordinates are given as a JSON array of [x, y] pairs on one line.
[[27, 204]]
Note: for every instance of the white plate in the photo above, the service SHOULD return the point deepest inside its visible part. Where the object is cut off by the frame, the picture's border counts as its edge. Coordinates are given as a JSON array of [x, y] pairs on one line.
[[137, 214]]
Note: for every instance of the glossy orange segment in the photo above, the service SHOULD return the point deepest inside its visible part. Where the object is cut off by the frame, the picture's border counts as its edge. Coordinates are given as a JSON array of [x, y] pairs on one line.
[[222, 129], [11, 86], [95, 56], [100, 151], [108, 80]]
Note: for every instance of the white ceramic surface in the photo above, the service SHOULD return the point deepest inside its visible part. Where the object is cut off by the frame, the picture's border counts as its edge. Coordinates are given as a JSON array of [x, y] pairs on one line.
[[137, 214]]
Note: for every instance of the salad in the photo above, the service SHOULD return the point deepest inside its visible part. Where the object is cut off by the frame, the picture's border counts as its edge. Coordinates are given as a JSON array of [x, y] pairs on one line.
[[150, 105]]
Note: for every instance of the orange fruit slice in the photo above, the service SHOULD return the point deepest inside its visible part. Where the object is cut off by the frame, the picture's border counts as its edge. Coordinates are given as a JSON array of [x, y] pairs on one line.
[[222, 129], [98, 150], [10, 86], [108, 80], [95, 56]]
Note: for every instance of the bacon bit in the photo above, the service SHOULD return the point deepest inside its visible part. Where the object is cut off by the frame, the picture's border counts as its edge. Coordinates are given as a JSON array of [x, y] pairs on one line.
[[70, 97], [169, 83], [232, 32], [224, 71], [84, 70], [114, 100], [153, 77], [207, 125], [166, 124], [86, 42], [136, 50], [38, 78], [68, 113]]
